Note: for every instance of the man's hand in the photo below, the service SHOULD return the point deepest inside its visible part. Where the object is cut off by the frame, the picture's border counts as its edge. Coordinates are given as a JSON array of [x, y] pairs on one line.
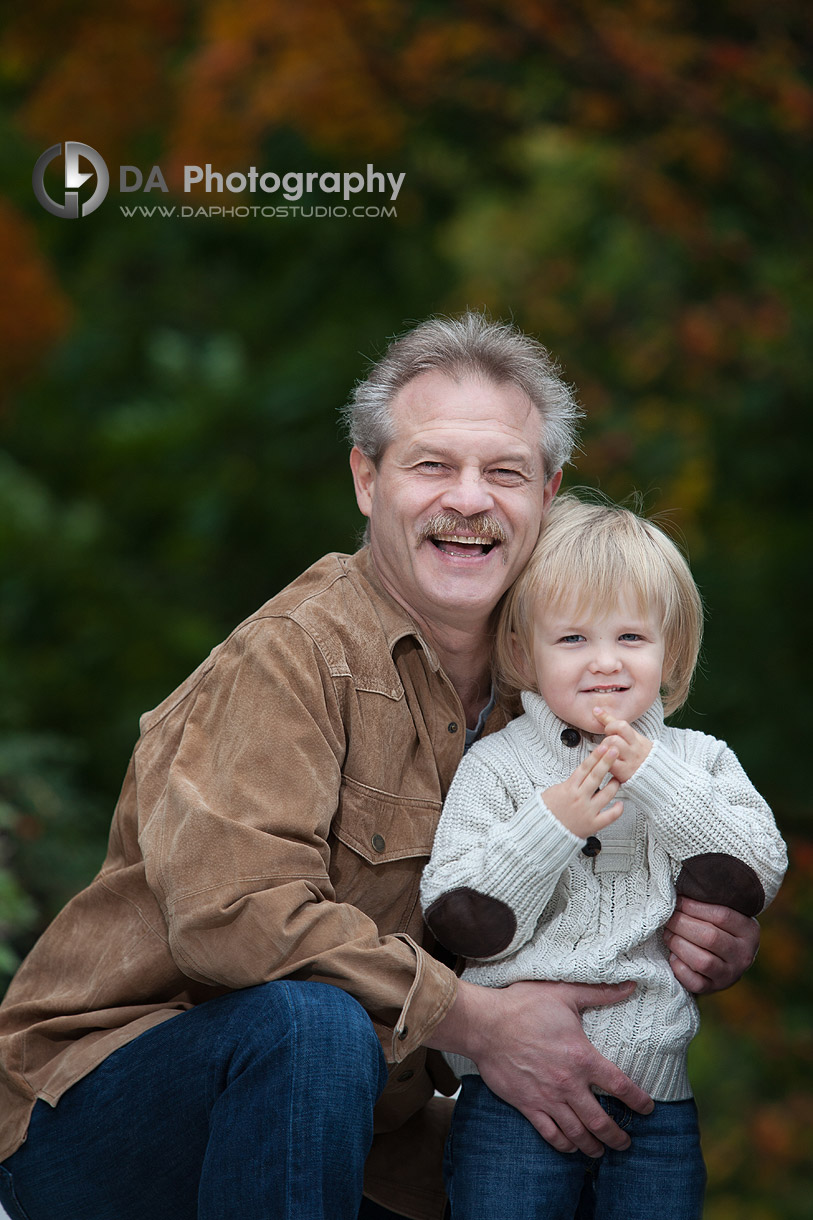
[[710, 946], [529, 1046]]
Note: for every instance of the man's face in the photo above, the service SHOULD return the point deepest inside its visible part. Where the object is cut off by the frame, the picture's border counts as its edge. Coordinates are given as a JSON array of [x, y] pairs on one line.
[[456, 500]]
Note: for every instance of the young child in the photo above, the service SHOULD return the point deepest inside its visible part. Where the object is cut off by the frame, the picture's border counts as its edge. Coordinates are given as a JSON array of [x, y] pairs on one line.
[[562, 842]]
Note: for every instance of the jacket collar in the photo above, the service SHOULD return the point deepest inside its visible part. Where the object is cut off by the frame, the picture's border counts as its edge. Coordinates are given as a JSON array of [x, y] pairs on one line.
[[397, 625], [395, 621]]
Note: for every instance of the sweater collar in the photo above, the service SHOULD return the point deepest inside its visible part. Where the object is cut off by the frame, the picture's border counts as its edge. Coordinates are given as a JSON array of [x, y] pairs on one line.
[[568, 746]]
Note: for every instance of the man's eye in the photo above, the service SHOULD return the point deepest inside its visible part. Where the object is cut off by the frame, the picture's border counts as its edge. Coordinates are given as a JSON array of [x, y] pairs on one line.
[[431, 466], [503, 475]]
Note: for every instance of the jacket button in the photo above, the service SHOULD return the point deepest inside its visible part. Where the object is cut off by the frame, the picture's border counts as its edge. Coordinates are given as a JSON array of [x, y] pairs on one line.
[[407, 1075], [378, 842], [571, 737], [452, 726], [402, 1033]]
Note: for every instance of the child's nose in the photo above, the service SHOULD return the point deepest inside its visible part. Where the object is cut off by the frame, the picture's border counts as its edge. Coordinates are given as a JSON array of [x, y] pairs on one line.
[[605, 661]]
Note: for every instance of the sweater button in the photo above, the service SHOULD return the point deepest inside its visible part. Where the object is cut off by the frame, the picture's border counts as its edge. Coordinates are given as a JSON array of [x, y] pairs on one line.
[[571, 737], [379, 843], [452, 726], [407, 1075]]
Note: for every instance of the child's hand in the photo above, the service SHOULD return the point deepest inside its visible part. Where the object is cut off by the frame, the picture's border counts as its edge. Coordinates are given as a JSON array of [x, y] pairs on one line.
[[630, 746], [578, 803]]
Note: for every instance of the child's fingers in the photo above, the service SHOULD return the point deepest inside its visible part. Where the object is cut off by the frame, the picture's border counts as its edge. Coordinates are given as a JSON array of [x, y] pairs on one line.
[[609, 789], [581, 772], [618, 743], [596, 766], [611, 814], [601, 796], [621, 728]]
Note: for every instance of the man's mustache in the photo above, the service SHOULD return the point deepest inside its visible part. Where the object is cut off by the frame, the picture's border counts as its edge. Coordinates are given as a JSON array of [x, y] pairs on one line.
[[482, 525]]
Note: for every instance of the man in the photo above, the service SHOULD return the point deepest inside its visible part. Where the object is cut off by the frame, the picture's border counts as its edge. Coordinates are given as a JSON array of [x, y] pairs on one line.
[[206, 1029]]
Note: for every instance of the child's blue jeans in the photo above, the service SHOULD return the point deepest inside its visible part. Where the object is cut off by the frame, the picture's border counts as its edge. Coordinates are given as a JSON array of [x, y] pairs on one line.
[[497, 1165], [255, 1105]]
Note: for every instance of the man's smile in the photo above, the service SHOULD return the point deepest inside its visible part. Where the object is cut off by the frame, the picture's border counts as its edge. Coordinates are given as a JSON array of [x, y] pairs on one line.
[[462, 538], [461, 545]]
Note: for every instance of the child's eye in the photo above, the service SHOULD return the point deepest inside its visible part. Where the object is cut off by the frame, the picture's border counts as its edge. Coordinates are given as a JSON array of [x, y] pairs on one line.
[[630, 635], [571, 639]]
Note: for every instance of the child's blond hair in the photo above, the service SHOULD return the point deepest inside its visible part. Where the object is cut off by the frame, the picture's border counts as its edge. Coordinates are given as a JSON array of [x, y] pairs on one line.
[[591, 552]]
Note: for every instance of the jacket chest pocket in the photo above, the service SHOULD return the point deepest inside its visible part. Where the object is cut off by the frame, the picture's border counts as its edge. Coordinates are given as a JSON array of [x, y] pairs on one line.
[[379, 845]]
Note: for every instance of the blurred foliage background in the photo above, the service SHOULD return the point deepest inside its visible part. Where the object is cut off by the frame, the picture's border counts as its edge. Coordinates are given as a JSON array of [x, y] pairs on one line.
[[629, 181]]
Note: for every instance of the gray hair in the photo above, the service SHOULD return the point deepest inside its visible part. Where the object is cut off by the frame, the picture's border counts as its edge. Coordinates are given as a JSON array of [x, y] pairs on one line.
[[469, 344]]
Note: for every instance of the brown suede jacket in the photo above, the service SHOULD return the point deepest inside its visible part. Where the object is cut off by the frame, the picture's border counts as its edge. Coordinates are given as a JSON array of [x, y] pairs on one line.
[[274, 820]]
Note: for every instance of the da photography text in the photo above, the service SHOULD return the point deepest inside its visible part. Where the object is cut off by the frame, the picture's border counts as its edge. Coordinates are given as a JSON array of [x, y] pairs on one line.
[[82, 166]]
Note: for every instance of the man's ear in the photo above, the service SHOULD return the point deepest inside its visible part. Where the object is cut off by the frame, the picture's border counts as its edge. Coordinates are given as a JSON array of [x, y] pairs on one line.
[[551, 488], [364, 473]]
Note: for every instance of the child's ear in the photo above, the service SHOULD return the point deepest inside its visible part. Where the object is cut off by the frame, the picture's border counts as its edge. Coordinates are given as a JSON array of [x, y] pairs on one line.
[[522, 663], [667, 688]]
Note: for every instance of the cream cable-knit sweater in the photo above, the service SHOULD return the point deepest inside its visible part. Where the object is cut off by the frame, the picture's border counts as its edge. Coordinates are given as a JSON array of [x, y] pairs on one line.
[[599, 920]]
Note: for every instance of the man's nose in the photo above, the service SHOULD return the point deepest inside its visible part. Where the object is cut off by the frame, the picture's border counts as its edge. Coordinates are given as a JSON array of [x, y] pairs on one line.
[[468, 493]]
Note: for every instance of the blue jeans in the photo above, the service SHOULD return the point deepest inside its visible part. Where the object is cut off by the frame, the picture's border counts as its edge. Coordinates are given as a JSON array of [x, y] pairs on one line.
[[255, 1104], [497, 1165]]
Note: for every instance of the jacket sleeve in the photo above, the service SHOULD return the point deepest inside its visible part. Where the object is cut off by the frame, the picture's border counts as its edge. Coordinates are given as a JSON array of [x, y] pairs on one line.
[[494, 866], [706, 813], [237, 789]]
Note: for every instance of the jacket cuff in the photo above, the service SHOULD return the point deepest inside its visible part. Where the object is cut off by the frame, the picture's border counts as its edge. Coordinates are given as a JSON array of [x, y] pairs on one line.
[[430, 997]]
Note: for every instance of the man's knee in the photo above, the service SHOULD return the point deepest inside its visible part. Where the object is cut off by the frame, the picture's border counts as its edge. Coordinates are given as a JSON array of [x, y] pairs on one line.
[[314, 1024], [332, 1023]]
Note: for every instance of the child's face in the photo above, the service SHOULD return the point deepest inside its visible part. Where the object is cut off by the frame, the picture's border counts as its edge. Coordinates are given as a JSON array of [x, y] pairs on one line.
[[612, 659]]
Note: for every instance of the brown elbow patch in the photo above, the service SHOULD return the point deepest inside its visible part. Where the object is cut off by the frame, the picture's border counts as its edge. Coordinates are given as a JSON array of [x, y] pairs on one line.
[[471, 924], [722, 879]]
